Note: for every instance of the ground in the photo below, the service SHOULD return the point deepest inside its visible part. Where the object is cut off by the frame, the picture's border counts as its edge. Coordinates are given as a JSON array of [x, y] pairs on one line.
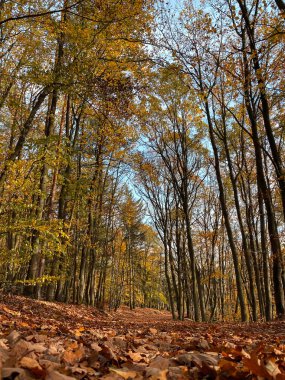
[[55, 341]]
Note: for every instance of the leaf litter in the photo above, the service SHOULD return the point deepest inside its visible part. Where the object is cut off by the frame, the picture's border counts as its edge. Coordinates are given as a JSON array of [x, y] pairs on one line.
[[56, 341]]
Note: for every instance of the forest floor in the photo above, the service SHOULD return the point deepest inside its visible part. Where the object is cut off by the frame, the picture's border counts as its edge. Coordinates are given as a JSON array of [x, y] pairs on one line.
[[55, 341]]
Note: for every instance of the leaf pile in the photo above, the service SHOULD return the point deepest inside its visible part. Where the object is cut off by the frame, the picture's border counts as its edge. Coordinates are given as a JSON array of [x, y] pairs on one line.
[[54, 341]]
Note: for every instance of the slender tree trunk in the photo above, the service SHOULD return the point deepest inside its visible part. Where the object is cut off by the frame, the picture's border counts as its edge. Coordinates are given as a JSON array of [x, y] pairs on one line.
[[271, 220], [265, 109], [222, 198], [248, 258]]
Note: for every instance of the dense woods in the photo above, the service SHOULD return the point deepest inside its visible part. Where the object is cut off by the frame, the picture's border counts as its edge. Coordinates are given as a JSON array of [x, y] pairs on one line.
[[142, 155]]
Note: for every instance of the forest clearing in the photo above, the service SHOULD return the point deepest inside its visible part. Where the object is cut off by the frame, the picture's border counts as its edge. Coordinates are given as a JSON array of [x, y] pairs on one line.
[[55, 341]]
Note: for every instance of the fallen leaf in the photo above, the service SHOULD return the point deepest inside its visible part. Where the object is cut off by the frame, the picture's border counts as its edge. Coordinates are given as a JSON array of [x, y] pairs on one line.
[[160, 363], [16, 373], [55, 375], [255, 366], [156, 374], [95, 347], [13, 337], [272, 368], [135, 356], [72, 357], [124, 373], [12, 312], [32, 365], [204, 344]]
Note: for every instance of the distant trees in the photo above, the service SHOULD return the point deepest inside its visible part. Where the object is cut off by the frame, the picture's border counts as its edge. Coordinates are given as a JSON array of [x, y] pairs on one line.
[[69, 73], [228, 57]]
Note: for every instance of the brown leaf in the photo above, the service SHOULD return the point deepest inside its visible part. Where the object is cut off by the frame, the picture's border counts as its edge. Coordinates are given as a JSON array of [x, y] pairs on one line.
[[160, 363], [156, 374], [228, 367], [12, 312], [79, 371], [72, 357], [32, 365], [16, 373], [256, 367], [13, 337], [21, 348], [108, 353], [4, 353], [120, 342], [55, 375], [272, 368], [178, 373], [49, 365], [135, 356], [112, 376], [71, 345], [125, 373], [204, 344], [38, 347], [95, 347], [198, 359], [53, 349], [38, 338]]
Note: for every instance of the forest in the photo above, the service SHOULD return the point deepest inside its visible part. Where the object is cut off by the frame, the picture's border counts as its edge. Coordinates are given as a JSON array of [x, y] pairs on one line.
[[142, 189], [142, 155]]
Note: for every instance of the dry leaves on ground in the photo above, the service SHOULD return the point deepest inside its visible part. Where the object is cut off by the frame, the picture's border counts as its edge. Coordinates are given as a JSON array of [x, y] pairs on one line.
[[54, 341]]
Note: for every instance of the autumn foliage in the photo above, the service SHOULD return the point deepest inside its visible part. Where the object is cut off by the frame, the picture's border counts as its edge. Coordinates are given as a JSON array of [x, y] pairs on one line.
[[142, 166]]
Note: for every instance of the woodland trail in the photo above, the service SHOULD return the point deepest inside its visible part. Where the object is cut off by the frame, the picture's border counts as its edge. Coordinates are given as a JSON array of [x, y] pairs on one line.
[[43, 340]]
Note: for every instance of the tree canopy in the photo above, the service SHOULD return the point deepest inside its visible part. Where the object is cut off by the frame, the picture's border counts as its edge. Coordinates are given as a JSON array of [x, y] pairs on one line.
[[142, 155]]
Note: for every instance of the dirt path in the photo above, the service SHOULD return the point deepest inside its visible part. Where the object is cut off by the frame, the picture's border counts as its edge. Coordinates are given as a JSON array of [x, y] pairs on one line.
[[42, 340]]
